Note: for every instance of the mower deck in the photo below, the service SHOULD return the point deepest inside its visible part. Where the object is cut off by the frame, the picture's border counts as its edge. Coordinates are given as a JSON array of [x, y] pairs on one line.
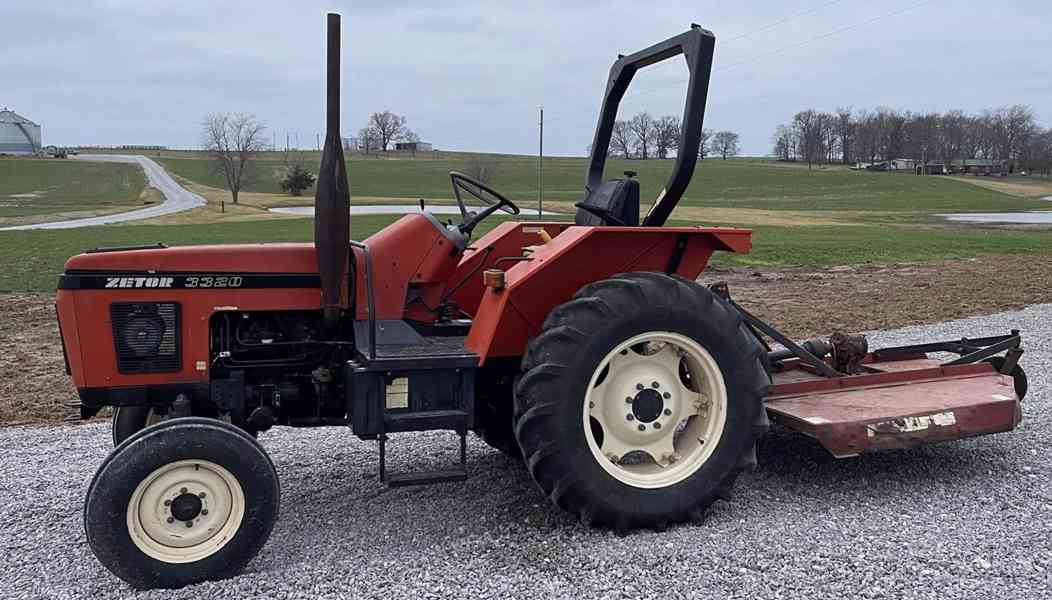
[[896, 403]]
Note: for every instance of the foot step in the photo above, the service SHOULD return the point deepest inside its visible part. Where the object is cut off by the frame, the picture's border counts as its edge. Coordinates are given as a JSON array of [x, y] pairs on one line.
[[424, 477]]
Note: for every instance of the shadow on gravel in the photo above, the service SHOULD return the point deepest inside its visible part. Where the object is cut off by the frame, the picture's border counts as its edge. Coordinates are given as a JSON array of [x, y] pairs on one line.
[[793, 460]]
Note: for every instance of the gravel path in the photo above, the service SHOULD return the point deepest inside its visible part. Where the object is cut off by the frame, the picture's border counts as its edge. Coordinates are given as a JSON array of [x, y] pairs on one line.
[[969, 519], [176, 198]]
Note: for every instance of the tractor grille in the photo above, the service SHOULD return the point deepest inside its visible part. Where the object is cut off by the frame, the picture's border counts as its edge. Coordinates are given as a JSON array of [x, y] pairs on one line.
[[146, 336]]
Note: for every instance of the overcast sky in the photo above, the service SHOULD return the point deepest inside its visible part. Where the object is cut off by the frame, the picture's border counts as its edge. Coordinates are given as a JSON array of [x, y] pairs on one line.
[[471, 75]]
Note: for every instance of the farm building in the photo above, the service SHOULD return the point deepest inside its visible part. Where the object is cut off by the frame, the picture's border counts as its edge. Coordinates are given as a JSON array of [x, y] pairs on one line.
[[18, 135], [413, 146]]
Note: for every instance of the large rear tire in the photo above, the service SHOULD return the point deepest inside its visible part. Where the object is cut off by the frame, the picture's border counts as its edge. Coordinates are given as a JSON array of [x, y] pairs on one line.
[[183, 501], [641, 401]]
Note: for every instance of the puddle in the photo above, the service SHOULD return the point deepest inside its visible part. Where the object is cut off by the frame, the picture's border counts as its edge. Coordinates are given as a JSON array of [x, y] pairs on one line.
[[373, 209], [1028, 218], [383, 209]]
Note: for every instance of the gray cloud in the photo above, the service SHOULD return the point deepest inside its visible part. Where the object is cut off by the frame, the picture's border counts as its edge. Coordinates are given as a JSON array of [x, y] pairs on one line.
[[470, 75]]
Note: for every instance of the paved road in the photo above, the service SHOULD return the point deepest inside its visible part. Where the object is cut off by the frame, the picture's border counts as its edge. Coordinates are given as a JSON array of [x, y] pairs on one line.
[[176, 198], [969, 519]]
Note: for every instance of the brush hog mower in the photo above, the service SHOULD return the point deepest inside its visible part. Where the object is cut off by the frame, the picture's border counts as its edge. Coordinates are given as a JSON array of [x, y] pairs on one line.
[[633, 394]]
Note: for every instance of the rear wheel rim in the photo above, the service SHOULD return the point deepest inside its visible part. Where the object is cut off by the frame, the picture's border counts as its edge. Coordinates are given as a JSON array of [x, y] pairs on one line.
[[185, 511], [655, 409]]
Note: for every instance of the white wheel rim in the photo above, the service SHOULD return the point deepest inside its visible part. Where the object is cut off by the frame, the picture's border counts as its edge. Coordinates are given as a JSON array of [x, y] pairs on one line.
[[165, 501], [656, 372]]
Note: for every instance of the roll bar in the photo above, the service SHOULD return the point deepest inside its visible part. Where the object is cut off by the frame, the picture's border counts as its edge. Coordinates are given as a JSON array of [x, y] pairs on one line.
[[697, 46]]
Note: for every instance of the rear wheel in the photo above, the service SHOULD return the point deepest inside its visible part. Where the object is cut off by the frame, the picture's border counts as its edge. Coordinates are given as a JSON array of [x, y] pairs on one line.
[[641, 401], [183, 501]]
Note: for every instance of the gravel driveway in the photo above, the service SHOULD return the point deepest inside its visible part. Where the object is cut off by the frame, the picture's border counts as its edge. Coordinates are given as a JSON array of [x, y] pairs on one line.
[[968, 519], [176, 197]]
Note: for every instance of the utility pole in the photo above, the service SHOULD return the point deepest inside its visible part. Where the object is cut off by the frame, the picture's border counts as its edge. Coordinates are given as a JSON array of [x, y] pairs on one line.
[[540, 170]]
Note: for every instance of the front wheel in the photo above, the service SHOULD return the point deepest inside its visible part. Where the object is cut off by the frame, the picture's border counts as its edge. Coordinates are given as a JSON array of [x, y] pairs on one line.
[[641, 401], [183, 501]]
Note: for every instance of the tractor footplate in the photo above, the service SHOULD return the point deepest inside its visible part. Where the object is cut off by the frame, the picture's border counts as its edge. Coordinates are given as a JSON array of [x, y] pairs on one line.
[[460, 473], [895, 404]]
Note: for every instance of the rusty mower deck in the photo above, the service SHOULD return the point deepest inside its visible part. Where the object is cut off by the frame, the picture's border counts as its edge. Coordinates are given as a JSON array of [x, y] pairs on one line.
[[854, 401]]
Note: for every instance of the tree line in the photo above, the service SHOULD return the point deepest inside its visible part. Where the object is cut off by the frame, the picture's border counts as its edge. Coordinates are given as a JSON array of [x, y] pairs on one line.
[[644, 136], [1009, 134]]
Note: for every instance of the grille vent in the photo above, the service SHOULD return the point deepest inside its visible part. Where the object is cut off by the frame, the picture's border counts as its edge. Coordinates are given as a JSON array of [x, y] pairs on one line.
[[146, 336]]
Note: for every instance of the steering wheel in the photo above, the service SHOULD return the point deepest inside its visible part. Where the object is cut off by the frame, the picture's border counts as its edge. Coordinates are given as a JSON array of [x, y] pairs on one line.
[[493, 199]]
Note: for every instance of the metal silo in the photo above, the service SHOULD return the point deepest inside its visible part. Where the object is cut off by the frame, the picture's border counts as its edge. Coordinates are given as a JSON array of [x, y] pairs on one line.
[[18, 135]]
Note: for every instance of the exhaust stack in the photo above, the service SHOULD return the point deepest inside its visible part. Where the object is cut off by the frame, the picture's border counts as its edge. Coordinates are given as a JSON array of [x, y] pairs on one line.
[[332, 200]]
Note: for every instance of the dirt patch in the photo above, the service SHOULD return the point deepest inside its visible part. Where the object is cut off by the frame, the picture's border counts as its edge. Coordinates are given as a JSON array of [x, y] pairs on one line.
[[806, 302], [747, 216], [1028, 188], [803, 302], [33, 381]]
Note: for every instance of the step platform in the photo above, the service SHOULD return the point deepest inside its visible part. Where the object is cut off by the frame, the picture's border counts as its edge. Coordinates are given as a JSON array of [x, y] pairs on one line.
[[895, 403], [411, 382]]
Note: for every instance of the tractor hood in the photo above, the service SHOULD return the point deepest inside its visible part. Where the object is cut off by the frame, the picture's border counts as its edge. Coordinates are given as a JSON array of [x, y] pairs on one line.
[[236, 258]]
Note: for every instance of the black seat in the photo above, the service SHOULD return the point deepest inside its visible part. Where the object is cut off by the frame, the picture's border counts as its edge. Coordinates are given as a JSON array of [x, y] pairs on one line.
[[615, 202]]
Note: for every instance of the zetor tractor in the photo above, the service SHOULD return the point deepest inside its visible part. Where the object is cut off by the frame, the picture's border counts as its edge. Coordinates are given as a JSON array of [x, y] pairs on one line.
[[633, 395]]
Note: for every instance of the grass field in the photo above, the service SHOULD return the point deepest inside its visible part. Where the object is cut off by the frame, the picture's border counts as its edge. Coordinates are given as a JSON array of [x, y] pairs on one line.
[[740, 183], [818, 217], [34, 258], [31, 188]]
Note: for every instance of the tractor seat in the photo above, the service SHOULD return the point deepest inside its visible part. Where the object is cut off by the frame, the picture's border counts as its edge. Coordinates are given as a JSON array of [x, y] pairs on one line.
[[615, 202]]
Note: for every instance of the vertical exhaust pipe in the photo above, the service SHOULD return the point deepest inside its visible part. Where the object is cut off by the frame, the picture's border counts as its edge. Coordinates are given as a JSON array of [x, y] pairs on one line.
[[332, 200]]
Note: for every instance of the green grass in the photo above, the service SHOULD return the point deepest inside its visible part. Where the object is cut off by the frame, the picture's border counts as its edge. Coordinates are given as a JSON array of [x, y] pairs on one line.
[[881, 244], [34, 259], [889, 215], [741, 183], [62, 186]]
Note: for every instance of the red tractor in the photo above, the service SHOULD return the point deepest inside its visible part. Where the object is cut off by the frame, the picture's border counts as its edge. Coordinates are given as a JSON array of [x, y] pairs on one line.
[[633, 394]]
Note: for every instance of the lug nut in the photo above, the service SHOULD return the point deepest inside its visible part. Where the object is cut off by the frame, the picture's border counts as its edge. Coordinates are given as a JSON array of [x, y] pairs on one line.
[[189, 524], [642, 427], [167, 502], [655, 384], [666, 395], [628, 399], [204, 511], [201, 495], [182, 490], [630, 417], [171, 519], [668, 411], [657, 425], [639, 386], [590, 405]]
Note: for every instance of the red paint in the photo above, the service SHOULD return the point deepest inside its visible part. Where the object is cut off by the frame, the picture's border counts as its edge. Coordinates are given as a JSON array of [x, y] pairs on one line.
[[861, 413]]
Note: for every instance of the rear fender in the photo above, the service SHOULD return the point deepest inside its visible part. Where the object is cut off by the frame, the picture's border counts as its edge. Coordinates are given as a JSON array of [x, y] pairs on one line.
[[506, 319]]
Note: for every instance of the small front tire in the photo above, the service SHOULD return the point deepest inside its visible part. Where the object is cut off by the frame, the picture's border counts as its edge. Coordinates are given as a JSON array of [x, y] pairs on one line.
[[180, 502]]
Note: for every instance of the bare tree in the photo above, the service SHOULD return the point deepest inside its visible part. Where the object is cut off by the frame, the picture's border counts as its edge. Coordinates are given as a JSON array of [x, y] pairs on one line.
[[705, 145], [621, 139], [644, 132], [368, 139], [845, 132], [666, 137], [232, 141], [810, 140], [481, 168], [784, 143], [389, 128], [725, 143]]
